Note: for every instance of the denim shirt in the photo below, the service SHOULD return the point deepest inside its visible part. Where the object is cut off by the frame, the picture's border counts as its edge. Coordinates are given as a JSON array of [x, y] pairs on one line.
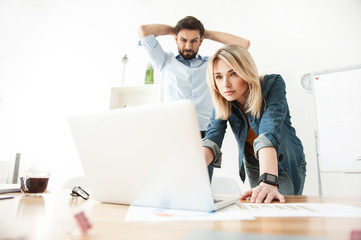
[[273, 129], [181, 78]]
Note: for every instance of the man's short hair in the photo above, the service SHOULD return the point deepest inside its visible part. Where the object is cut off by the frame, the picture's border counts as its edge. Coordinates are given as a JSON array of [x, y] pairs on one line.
[[190, 23]]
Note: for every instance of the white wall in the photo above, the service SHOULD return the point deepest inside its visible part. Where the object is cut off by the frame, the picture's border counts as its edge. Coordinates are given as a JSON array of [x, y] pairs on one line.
[[58, 58]]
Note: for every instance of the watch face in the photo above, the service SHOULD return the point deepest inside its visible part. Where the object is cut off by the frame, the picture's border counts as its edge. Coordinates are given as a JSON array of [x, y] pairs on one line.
[[270, 178]]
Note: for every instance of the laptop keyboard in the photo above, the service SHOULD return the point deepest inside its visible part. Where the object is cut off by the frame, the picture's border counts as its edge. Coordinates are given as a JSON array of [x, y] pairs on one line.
[[216, 200]]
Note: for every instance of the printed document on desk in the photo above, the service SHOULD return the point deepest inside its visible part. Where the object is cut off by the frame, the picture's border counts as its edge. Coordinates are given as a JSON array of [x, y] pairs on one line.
[[149, 214], [202, 234], [299, 210], [243, 211]]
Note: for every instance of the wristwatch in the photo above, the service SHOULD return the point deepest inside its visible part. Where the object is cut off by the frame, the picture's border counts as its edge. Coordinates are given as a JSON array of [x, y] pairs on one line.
[[269, 179]]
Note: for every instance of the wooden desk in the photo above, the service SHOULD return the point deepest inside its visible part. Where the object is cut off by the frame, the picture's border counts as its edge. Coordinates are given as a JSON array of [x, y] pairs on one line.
[[51, 217]]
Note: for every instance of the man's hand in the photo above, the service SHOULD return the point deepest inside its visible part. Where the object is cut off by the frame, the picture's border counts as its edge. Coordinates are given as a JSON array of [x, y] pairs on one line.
[[226, 38]]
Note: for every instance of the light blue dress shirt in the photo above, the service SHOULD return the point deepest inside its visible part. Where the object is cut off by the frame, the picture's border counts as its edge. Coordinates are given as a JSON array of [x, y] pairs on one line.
[[181, 79]]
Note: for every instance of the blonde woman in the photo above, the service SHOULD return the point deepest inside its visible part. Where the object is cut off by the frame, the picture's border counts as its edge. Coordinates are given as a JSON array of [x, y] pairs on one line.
[[257, 111]]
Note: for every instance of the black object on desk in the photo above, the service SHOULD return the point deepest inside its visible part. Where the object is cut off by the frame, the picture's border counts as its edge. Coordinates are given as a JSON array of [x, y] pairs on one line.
[[6, 197]]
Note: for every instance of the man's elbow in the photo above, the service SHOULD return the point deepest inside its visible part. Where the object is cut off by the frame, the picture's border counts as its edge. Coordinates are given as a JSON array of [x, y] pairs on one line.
[[142, 31], [247, 44]]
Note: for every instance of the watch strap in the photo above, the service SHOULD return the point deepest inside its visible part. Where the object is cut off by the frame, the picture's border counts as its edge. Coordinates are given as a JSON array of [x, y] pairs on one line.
[[269, 179]]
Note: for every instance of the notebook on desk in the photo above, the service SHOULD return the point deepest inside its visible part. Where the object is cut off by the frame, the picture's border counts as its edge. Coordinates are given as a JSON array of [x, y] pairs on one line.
[[147, 156]]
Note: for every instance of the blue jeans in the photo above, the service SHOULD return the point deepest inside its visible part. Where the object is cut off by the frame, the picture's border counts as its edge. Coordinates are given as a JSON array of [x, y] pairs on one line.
[[285, 183]]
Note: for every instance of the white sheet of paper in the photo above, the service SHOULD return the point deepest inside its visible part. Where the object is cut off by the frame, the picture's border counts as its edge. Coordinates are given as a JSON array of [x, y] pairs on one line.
[[300, 210], [244, 211], [148, 214]]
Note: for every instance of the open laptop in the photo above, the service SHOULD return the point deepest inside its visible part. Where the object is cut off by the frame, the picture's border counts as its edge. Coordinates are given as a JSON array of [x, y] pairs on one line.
[[147, 155]]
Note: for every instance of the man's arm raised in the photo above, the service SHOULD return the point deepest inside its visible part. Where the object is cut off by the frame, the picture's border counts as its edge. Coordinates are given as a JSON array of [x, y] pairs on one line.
[[226, 38], [156, 29]]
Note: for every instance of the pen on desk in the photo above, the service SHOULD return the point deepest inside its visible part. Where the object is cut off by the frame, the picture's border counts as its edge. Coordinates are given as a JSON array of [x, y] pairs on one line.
[[5, 197]]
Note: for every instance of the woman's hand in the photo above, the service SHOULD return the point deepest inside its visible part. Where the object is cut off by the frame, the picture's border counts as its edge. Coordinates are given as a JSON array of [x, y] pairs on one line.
[[208, 154], [263, 193]]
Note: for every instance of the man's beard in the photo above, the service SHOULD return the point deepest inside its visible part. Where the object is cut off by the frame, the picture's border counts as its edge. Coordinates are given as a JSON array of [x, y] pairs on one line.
[[188, 56]]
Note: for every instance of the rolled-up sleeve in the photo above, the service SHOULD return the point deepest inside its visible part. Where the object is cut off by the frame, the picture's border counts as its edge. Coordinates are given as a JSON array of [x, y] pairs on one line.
[[217, 161], [261, 142], [148, 41], [214, 138]]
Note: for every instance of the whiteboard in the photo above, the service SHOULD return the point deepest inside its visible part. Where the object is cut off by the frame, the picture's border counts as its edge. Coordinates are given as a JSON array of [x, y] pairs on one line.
[[337, 96]]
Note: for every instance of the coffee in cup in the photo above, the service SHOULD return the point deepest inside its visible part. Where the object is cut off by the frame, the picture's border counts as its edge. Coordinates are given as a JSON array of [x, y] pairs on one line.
[[34, 182]]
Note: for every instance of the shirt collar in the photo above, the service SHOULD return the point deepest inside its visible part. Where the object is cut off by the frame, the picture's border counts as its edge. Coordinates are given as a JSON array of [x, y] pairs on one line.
[[197, 57]]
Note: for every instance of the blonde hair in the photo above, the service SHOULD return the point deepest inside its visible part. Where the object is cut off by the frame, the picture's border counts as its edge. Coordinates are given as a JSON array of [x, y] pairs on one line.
[[241, 61]]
